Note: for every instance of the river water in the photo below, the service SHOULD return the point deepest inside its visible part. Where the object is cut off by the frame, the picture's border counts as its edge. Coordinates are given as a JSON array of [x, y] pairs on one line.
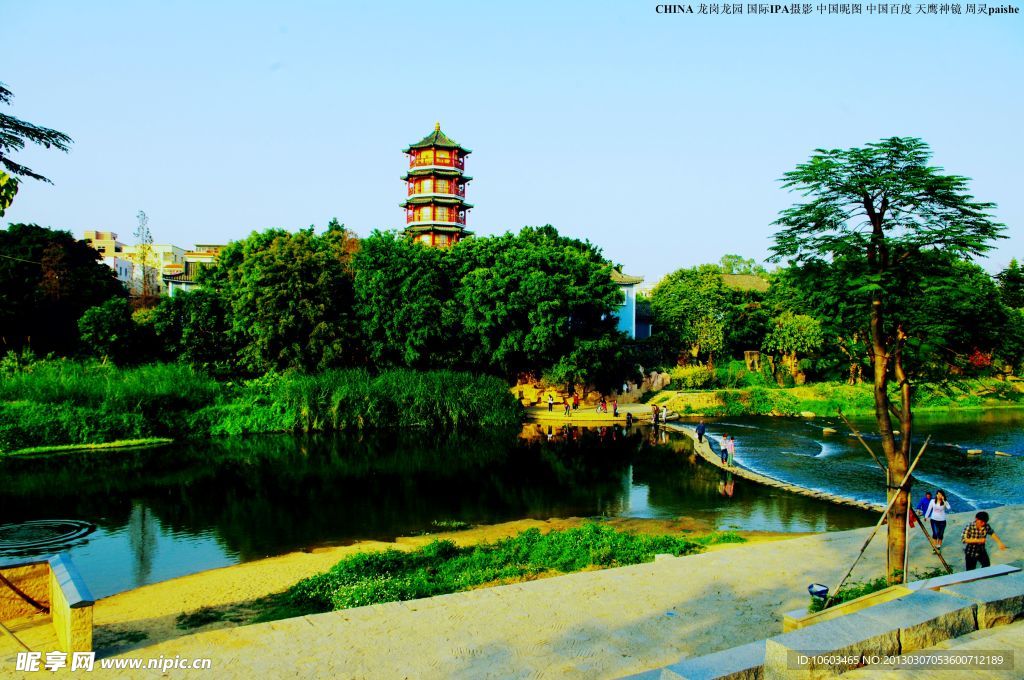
[[134, 517], [797, 451]]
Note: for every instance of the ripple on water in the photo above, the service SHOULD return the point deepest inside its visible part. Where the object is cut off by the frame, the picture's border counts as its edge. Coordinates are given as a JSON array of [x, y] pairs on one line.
[[28, 538]]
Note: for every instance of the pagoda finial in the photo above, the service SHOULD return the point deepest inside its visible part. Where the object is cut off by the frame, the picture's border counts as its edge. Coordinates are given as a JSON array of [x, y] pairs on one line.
[[437, 126]]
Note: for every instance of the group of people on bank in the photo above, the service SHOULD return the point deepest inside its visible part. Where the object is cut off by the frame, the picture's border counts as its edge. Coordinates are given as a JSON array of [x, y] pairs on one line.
[[973, 537]]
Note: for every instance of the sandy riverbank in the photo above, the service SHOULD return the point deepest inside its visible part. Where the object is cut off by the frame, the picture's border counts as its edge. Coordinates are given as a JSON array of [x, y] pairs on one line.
[[148, 615], [597, 624]]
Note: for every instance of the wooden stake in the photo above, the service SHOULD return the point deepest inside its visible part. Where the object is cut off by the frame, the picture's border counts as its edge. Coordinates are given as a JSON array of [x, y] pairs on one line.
[[857, 434], [879, 523], [920, 522]]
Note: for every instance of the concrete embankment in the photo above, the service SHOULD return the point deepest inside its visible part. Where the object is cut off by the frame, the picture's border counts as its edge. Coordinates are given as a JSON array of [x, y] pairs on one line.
[[703, 449]]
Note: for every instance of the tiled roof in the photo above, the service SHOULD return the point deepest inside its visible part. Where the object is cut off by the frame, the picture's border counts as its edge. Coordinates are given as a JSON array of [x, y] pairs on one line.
[[625, 279], [436, 139], [745, 282]]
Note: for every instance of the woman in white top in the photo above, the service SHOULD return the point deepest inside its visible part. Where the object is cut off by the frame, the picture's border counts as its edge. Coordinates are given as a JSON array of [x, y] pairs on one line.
[[936, 512]]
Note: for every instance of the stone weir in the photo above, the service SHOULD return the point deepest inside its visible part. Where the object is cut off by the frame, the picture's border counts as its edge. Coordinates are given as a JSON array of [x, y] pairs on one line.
[[703, 449]]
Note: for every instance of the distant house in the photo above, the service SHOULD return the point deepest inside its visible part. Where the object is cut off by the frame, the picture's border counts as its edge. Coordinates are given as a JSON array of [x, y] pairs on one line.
[[113, 254], [627, 308], [174, 268], [182, 277]]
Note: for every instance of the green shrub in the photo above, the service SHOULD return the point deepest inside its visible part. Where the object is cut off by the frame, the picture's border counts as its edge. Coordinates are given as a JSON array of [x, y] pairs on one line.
[[70, 402], [859, 589], [443, 567], [691, 377]]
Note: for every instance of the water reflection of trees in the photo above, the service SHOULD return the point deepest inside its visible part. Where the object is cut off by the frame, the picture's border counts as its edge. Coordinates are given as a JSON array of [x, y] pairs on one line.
[[267, 494]]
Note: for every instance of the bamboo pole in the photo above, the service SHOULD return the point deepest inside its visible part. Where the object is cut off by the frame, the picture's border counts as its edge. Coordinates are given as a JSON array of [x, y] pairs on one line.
[[931, 542], [879, 523], [920, 522], [861, 439]]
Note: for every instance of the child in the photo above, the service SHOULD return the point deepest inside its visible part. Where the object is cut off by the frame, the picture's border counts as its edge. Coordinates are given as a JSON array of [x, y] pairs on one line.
[[973, 538]]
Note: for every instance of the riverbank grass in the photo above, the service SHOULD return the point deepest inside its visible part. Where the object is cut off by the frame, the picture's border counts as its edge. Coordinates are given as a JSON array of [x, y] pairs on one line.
[[78, 403], [443, 567], [71, 448], [827, 399]]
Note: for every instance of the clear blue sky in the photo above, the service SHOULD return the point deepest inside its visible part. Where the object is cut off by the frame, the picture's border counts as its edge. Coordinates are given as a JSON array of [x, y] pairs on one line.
[[658, 137]]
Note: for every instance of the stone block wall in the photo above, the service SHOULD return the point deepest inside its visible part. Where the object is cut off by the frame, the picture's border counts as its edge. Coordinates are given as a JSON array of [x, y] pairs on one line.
[[33, 579]]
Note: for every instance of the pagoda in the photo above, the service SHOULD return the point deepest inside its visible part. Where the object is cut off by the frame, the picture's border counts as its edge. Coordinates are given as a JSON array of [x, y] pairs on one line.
[[435, 210]]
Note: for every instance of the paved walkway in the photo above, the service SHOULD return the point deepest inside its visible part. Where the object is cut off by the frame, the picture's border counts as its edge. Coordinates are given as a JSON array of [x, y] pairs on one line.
[[589, 415], [601, 624]]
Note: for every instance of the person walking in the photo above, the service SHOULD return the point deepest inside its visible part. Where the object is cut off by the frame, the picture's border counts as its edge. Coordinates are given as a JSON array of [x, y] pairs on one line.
[[575, 402], [936, 512], [615, 408], [568, 407], [604, 405], [701, 429], [723, 449], [921, 507], [732, 451], [973, 538], [654, 413], [629, 419], [551, 403]]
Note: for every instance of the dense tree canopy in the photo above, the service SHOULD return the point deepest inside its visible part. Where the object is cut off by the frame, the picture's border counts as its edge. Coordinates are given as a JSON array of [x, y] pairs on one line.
[[288, 299], [689, 308], [404, 300], [47, 280], [1011, 285], [529, 300], [885, 206], [195, 327], [108, 331]]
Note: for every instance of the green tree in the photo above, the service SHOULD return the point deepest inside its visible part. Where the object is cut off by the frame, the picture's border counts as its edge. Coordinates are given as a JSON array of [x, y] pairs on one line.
[[13, 135], [792, 335], [883, 203], [821, 289], [531, 300], [47, 280], [1011, 285], [1010, 351], [689, 308], [737, 264], [108, 331], [195, 327], [8, 190], [289, 298], [405, 302], [145, 259]]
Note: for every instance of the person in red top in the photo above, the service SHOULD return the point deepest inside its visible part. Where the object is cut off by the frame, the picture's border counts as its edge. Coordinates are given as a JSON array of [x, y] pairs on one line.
[[973, 538]]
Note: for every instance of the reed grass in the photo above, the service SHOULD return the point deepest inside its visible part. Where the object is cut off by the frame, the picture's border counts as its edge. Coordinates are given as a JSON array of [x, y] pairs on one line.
[[63, 402]]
